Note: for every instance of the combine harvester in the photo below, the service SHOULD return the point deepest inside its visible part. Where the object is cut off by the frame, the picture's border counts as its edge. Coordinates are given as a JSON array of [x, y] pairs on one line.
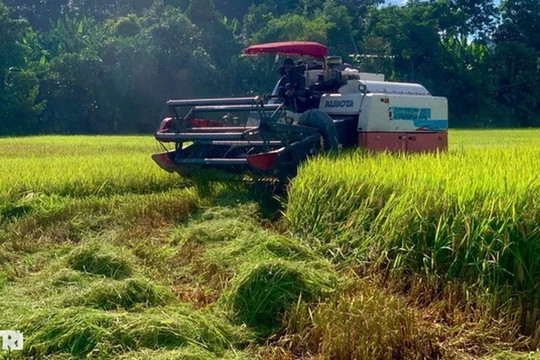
[[342, 108]]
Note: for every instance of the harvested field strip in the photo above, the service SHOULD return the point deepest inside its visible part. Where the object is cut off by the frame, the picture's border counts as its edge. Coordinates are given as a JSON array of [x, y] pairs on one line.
[[111, 276], [80, 333]]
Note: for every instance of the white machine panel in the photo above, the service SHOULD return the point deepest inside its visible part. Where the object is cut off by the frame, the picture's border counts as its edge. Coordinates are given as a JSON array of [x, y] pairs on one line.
[[383, 87], [341, 104], [397, 113]]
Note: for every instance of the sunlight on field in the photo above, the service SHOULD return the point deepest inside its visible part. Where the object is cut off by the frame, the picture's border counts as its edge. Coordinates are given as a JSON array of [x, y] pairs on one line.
[[81, 165], [471, 138], [471, 213]]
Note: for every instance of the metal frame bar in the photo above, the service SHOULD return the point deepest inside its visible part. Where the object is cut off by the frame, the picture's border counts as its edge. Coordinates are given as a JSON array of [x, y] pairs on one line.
[[212, 101]]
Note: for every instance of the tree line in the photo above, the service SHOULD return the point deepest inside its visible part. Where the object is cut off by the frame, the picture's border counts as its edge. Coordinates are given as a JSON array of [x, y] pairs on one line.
[[108, 66]]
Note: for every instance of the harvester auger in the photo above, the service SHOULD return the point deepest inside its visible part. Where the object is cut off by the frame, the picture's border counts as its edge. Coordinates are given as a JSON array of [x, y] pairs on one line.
[[262, 137]]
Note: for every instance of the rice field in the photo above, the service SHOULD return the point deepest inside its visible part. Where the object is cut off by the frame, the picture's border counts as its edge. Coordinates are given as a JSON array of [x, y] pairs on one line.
[[471, 215], [81, 166], [376, 256]]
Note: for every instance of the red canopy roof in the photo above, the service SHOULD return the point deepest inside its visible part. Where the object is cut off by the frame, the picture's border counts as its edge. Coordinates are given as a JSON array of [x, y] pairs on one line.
[[289, 48]]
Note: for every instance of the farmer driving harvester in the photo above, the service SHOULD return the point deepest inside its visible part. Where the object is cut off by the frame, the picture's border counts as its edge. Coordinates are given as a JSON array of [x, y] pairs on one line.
[[292, 87]]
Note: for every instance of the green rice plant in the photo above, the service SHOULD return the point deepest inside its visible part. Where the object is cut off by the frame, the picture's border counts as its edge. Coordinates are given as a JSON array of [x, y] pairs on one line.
[[514, 355], [65, 277], [54, 219], [66, 331], [360, 322], [169, 327], [264, 245], [461, 139], [195, 249], [3, 280], [111, 294], [283, 248], [212, 231], [263, 273], [190, 352], [155, 209], [101, 259], [239, 210], [97, 333], [212, 248], [261, 293], [217, 224], [223, 260], [469, 214], [42, 306], [81, 166]]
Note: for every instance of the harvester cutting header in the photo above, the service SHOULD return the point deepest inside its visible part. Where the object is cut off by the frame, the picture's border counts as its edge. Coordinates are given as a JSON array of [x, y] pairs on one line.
[[319, 104]]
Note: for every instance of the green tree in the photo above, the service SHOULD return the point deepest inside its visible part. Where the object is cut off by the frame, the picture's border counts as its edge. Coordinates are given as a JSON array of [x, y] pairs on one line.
[[293, 27], [126, 25], [116, 76], [19, 85], [233, 9], [517, 60], [73, 81], [105, 9], [257, 15], [43, 14], [424, 42], [518, 69], [469, 82], [412, 36], [109, 65], [476, 18], [358, 8], [340, 33], [216, 38], [519, 23], [40, 14]]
